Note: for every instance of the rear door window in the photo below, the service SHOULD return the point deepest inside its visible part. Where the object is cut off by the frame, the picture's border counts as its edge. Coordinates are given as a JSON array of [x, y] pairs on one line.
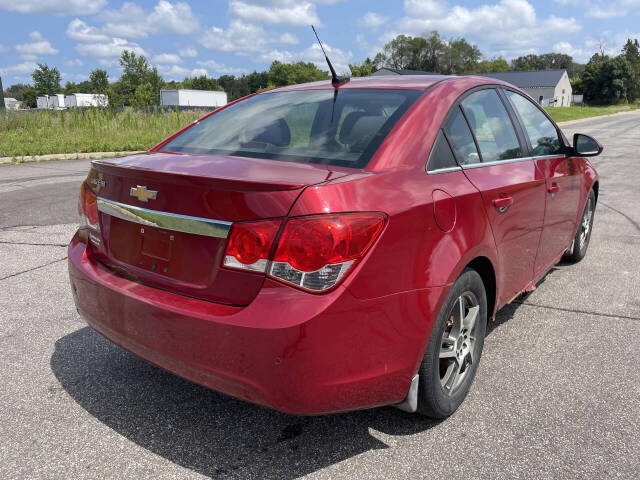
[[542, 134], [491, 125], [461, 139]]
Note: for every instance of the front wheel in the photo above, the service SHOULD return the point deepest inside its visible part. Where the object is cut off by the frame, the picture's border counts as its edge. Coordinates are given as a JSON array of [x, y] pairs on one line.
[[453, 353], [578, 248]]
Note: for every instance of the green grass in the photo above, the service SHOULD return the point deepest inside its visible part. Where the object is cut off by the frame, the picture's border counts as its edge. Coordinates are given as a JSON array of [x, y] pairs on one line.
[[85, 131], [563, 114]]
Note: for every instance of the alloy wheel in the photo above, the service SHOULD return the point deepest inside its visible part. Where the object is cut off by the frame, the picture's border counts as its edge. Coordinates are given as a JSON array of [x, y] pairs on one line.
[[458, 342], [585, 226]]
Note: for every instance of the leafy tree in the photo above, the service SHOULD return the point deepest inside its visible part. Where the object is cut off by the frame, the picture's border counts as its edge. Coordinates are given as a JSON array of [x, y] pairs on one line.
[[143, 96], [363, 69], [430, 54], [577, 87], [201, 83], [46, 80], [459, 57], [631, 52], [137, 71], [547, 61], [497, 64], [293, 73], [605, 79], [73, 87], [99, 80], [18, 91], [398, 53]]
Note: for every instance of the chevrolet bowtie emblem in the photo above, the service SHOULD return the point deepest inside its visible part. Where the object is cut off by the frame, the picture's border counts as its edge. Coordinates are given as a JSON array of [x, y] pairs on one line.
[[142, 194]]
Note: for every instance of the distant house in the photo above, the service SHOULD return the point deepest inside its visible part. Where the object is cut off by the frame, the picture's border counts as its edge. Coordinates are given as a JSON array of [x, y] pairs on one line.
[[550, 88]]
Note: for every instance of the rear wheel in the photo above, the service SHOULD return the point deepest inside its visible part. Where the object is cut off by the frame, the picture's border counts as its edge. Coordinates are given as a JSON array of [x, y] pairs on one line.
[[581, 241], [453, 354]]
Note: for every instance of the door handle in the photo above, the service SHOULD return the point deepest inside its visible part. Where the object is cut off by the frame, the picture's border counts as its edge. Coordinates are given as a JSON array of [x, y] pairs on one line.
[[502, 203], [553, 189]]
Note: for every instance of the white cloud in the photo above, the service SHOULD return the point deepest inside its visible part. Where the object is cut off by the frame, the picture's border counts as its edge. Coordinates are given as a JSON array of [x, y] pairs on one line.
[[76, 62], [220, 69], [60, 7], [576, 52], [189, 52], [508, 28], [288, 38], [294, 13], [132, 21], [244, 38], [166, 58], [373, 20], [240, 37], [339, 58], [80, 31], [19, 69], [112, 49], [38, 46], [176, 72]]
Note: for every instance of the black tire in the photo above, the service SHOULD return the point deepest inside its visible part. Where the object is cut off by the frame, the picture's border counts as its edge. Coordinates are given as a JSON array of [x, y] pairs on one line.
[[580, 244], [435, 399]]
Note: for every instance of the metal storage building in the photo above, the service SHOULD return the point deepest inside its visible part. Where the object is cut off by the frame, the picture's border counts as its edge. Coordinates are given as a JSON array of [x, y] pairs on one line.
[[86, 100], [193, 98], [56, 101], [42, 101]]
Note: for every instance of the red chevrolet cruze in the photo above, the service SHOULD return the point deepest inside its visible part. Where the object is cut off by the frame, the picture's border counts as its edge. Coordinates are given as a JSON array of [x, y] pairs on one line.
[[320, 248]]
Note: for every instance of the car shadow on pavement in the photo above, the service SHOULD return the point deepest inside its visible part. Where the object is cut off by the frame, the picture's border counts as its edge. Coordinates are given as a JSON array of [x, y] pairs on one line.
[[210, 433]]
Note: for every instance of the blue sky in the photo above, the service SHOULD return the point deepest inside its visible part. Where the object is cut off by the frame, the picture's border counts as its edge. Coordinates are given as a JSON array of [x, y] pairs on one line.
[[219, 37]]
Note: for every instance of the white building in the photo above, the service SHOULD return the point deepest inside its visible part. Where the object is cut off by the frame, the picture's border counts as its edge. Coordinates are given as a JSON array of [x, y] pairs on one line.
[[11, 103], [550, 88], [42, 102], [56, 101], [86, 100], [193, 98]]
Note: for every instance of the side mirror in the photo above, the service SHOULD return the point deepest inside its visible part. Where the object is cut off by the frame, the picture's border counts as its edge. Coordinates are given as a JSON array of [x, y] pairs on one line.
[[586, 146]]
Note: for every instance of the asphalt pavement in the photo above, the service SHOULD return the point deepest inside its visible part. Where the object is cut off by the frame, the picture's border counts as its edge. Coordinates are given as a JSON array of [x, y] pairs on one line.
[[557, 393]]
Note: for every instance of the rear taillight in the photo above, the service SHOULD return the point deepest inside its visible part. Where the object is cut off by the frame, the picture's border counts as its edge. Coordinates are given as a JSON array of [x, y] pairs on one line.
[[88, 208], [313, 253], [250, 244]]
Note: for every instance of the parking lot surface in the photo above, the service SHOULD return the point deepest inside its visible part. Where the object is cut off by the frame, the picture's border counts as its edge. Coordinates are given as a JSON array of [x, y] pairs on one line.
[[557, 393]]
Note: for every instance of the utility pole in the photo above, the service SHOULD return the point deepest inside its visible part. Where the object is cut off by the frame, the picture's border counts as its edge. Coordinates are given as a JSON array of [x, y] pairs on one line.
[[1, 96]]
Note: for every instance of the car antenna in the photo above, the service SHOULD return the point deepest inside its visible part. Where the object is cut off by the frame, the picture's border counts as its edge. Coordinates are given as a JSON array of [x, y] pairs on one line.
[[335, 80]]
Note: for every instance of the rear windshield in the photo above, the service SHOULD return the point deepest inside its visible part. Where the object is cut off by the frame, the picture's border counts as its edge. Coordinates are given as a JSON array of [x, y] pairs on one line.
[[335, 127]]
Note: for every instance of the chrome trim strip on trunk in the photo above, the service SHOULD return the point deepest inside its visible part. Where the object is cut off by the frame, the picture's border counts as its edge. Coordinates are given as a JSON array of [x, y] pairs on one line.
[[168, 221]]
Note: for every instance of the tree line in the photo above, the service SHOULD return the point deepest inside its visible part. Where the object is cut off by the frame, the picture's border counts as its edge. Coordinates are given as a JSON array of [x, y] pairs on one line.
[[603, 79]]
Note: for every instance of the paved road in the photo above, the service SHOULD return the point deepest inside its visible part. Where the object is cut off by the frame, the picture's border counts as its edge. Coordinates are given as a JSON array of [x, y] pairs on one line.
[[556, 396]]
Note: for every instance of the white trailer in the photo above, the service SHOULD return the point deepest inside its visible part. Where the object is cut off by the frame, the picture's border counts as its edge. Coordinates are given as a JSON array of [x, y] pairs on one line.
[[11, 103], [42, 102], [193, 98], [56, 101], [86, 100]]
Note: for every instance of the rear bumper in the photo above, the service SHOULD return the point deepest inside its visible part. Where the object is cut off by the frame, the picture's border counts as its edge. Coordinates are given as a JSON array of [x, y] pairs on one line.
[[288, 350]]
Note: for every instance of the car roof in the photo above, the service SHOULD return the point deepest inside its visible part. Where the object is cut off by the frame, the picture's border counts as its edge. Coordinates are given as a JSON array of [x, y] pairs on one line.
[[395, 82]]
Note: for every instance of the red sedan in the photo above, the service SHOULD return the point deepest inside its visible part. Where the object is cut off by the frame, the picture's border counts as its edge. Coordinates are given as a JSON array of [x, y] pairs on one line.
[[320, 248]]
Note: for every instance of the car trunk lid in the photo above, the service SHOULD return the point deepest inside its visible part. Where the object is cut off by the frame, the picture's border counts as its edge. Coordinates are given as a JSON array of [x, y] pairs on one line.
[[164, 218]]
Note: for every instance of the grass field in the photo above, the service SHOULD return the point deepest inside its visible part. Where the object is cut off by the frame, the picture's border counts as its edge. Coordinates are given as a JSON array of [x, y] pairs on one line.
[[91, 130], [576, 112]]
